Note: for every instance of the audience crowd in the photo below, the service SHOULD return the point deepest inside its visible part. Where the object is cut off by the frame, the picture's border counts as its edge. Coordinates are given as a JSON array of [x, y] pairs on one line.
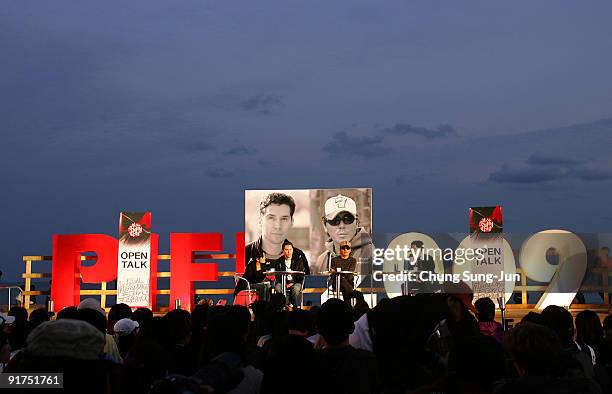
[[428, 343]]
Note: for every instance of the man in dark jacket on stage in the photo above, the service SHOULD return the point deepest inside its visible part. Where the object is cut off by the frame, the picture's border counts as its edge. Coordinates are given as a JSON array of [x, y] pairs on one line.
[[295, 260], [346, 263], [419, 261]]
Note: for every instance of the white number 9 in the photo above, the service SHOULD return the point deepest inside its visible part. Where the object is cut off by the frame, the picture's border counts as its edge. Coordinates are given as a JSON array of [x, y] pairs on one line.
[[566, 277]]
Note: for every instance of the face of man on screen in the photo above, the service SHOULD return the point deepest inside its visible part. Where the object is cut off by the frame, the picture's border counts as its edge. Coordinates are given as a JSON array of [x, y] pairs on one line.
[[275, 223], [342, 227]]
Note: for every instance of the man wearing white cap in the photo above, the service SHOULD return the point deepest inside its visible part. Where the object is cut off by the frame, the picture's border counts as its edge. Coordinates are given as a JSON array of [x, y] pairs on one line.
[[125, 334], [342, 224]]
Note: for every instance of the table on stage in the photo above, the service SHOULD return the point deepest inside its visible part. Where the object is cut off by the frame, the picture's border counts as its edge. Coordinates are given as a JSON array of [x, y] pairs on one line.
[[338, 277], [284, 275]]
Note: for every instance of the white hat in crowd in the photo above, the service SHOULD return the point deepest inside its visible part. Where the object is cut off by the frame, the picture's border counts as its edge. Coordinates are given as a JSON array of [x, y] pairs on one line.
[[66, 338], [125, 326], [6, 319], [92, 303]]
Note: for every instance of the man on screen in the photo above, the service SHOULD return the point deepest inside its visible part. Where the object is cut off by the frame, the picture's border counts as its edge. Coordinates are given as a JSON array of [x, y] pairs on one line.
[[342, 224], [295, 260], [275, 219]]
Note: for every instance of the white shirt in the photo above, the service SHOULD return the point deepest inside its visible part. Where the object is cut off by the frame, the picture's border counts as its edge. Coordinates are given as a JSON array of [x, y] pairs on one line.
[[287, 268], [360, 338]]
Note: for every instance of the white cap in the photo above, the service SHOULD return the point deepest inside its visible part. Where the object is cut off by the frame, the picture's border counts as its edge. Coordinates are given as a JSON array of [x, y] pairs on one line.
[[337, 204], [92, 303], [125, 326], [6, 319]]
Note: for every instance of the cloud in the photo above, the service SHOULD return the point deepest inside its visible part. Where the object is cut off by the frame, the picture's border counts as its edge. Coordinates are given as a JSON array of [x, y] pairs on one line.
[[591, 174], [538, 174], [526, 175], [551, 159], [343, 144], [262, 103], [240, 150], [442, 131], [264, 163], [219, 173], [199, 147]]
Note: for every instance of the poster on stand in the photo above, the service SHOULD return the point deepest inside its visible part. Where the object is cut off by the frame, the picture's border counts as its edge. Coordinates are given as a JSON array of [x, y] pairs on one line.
[[134, 259]]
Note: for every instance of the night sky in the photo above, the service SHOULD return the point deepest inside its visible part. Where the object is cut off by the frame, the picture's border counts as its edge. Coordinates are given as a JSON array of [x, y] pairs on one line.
[[177, 106]]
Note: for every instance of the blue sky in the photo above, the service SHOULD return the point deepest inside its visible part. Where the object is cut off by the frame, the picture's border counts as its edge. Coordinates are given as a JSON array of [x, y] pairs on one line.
[[177, 107]]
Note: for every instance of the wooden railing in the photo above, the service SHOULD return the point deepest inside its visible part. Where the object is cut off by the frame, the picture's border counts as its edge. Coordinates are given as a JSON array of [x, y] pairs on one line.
[[103, 292]]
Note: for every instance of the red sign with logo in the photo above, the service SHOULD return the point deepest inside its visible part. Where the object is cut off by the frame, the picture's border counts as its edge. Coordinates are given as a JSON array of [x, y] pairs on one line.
[[68, 273]]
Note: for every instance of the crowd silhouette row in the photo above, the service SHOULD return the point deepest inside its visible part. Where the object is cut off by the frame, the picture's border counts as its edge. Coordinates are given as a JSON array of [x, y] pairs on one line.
[[428, 343]]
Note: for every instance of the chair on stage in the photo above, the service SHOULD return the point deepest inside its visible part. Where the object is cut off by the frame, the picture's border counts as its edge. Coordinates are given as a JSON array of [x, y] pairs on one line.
[[245, 297]]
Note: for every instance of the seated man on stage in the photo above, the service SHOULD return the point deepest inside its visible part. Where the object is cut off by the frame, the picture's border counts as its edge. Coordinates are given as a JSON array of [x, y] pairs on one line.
[[255, 274], [344, 262], [419, 262], [295, 260]]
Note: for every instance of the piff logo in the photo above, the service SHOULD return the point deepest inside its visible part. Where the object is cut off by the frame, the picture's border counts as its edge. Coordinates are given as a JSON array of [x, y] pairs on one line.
[[135, 230], [485, 225], [486, 220], [68, 272]]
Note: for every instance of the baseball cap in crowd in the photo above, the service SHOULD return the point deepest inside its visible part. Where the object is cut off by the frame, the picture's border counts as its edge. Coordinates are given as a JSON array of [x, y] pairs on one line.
[[92, 303], [345, 243], [125, 326], [339, 203], [6, 319]]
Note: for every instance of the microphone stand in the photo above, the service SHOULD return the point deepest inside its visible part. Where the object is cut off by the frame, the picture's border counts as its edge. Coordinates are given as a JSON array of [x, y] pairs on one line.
[[501, 301]]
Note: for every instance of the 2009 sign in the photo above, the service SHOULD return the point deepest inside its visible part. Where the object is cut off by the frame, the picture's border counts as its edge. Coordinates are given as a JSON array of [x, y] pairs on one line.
[[563, 277]]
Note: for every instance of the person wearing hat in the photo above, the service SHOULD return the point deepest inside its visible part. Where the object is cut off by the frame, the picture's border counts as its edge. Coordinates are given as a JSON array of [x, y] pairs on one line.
[[72, 347], [344, 262], [110, 348], [125, 331], [342, 224]]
